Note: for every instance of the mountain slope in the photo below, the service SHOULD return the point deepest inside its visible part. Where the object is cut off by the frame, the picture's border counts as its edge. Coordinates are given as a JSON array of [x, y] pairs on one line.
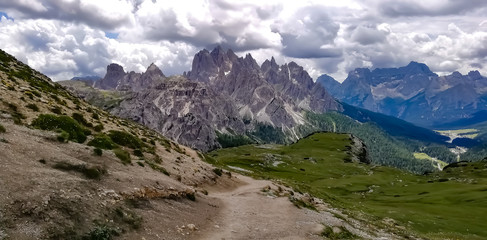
[[88, 174]]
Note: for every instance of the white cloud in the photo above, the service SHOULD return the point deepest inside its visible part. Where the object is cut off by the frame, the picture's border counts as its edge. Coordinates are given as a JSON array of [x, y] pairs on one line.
[[65, 38]]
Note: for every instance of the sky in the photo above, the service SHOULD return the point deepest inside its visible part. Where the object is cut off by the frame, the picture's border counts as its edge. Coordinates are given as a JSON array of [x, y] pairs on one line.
[[67, 38]]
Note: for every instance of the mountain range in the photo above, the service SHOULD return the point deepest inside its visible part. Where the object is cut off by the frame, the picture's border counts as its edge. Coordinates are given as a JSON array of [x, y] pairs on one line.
[[414, 93], [222, 94]]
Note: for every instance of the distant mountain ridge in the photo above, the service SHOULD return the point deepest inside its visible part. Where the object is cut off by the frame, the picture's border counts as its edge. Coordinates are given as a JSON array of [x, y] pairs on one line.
[[222, 94], [413, 93]]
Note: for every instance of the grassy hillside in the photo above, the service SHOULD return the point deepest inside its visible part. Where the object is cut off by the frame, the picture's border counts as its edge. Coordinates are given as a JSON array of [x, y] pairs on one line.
[[449, 204]]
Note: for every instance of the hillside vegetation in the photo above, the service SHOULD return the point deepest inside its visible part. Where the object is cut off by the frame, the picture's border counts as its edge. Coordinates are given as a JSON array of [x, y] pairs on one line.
[[443, 205]]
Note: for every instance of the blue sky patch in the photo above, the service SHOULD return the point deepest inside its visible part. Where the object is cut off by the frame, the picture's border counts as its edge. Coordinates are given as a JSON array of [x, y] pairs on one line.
[[111, 35], [4, 14]]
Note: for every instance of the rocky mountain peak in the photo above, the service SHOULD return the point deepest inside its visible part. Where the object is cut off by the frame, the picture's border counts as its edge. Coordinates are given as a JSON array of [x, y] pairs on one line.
[[416, 67], [153, 68], [474, 75], [456, 74], [114, 73]]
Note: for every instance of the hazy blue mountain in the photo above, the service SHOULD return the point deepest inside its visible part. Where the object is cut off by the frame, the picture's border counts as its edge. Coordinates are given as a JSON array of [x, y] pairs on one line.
[[413, 93]]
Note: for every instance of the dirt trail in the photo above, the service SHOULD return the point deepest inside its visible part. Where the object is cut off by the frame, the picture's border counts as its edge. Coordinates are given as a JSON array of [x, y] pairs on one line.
[[247, 213]]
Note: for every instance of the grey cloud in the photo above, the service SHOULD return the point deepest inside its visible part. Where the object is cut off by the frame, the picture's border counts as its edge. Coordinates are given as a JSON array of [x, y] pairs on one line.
[[38, 41], [310, 34], [70, 11], [368, 35], [234, 34], [398, 8]]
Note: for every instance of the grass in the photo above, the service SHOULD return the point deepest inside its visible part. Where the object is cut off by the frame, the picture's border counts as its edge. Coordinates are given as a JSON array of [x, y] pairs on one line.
[[101, 232], [97, 152], [341, 233], [33, 107], [448, 204], [102, 141], [125, 139], [123, 155], [52, 122]]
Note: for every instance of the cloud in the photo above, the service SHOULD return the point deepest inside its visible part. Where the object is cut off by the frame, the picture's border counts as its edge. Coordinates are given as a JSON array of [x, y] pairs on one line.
[[309, 33], [66, 38], [106, 14], [367, 35], [400, 8], [63, 50], [239, 26]]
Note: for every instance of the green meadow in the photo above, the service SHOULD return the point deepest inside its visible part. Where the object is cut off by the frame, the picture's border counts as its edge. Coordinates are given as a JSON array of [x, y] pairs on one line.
[[451, 204]]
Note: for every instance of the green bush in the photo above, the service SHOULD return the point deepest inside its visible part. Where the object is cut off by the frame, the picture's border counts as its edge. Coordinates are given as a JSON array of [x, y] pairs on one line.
[[52, 122], [102, 141], [101, 232], [97, 151], [57, 110], [33, 107], [218, 171], [123, 155], [138, 153], [125, 139], [2, 129], [81, 120], [98, 128], [63, 136]]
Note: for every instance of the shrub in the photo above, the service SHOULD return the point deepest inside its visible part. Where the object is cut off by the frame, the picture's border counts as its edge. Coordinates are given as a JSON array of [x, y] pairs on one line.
[[101, 232], [125, 139], [342, 233], [57, 110], [95, 116], [218, 171], [138, 153], [52, 122], [158, 168], [89, 172], [2, 129], [81, 120], [102, 141], [63, 136], [98, 127], [191, 196], [123, 155], [33, 107], [97, 151]]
